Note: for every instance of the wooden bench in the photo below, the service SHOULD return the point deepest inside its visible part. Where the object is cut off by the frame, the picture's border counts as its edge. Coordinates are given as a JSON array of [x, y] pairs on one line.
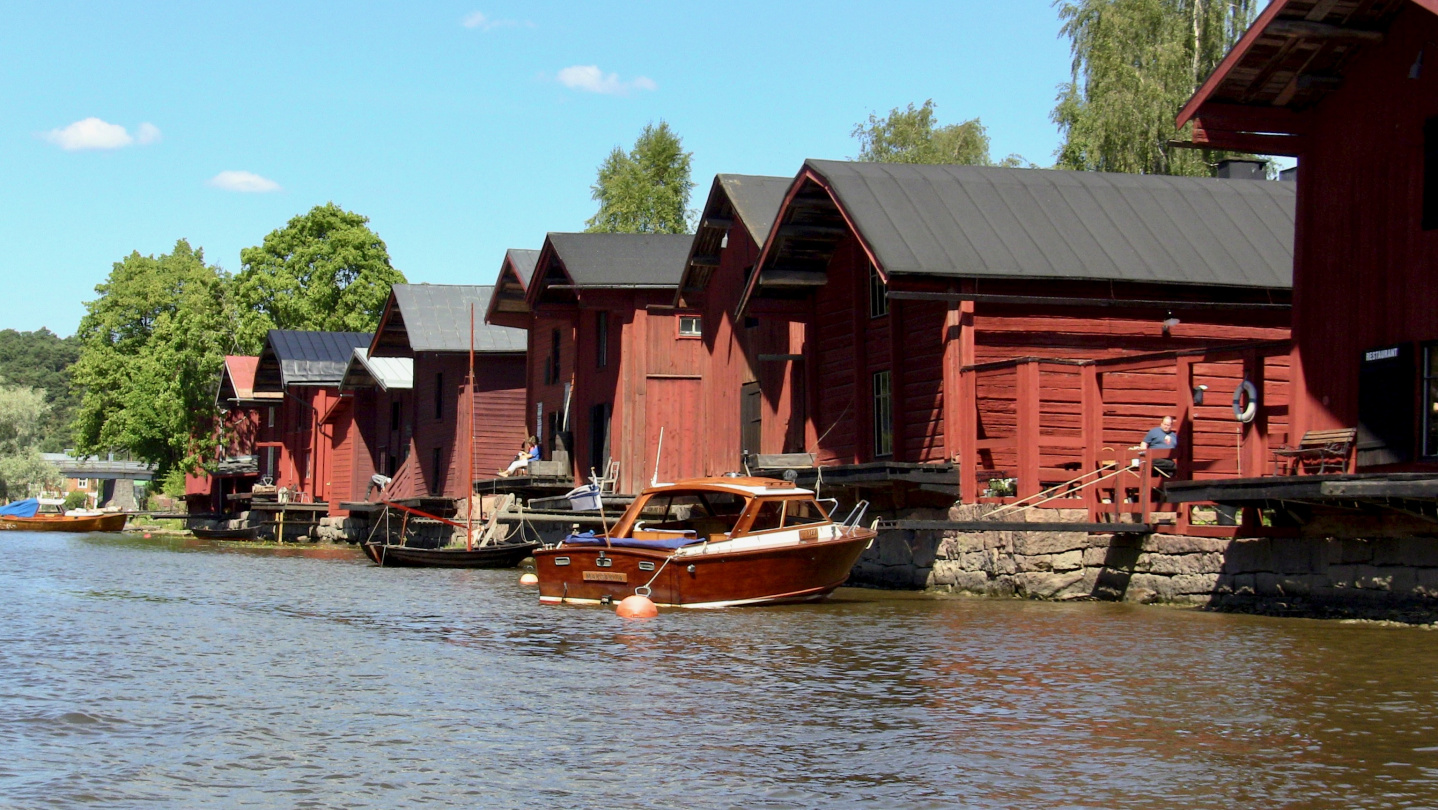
[[1326, 448]]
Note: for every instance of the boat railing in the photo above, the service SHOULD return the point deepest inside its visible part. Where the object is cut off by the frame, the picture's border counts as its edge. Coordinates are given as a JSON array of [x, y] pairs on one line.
[[856, 516]]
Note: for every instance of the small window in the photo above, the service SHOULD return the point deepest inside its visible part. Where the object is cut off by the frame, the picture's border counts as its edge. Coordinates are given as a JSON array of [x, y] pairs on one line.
[[436, 484], [552, 373], [601, 339], [691, 326], [800, 513], [769, 516], [883, 415], [878, 294], [270, 416], [394, 414]]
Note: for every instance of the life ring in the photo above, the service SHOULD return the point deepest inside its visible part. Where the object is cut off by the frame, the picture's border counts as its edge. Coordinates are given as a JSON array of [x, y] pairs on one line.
[[1243, 410]]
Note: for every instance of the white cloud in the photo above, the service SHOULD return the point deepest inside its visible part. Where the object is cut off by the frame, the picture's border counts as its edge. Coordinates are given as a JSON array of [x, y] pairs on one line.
[[93, 133], [243, 181], [593, 80], [479, 20]]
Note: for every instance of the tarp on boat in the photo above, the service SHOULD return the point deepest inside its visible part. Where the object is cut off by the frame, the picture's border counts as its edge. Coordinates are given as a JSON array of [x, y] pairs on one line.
[[23, 509]]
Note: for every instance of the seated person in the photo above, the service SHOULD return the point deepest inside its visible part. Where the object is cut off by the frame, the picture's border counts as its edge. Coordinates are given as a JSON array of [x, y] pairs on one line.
[[1163, 437], [522, 458]]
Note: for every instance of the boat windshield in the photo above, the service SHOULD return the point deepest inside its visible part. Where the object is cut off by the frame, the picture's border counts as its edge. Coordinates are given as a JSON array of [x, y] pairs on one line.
[[786, 513], [702, 513]]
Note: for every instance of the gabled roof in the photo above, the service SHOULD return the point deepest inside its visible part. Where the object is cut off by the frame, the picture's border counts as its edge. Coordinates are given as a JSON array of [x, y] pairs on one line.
[[1293, 55], [436, 318], [237, 382], [296, 358], [609, 261], [507, 307], [987, 222], [750, 201], [385, 373]]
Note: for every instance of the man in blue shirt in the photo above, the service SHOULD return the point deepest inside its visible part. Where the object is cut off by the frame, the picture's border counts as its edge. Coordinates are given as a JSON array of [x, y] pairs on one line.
[[1163, 437]]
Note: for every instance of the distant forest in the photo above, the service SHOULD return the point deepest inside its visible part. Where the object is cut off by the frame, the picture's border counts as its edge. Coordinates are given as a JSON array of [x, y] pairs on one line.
[[41, 359]]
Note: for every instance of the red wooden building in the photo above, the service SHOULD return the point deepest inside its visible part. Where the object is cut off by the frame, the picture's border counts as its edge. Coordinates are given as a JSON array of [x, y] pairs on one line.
[[242, 412], [298, 441], [923, 289], [430, 323], [752, 391], [380, 426], [611, 361], [1351, 90]]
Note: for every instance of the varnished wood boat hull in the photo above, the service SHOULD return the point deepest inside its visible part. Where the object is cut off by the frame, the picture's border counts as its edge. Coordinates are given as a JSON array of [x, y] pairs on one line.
[[765, 576], [226, 534], [62, 523], [502, 556]]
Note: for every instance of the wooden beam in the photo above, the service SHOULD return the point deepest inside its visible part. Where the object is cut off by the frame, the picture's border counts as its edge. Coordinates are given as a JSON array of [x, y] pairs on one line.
[[793, 278], [1259, 144], [721, 223], [1249, 118], [1073, 301], [704, 260], [1014, 526], [1307, 29], [812, 231]]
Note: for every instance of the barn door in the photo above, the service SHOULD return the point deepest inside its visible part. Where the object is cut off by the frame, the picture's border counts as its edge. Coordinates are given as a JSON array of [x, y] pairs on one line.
[[670, 404], [1385, 406], [751, 418]]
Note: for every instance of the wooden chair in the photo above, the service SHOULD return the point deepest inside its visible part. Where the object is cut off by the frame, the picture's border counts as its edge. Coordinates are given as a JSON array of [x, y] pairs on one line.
[[1326, 448], [608, 481]]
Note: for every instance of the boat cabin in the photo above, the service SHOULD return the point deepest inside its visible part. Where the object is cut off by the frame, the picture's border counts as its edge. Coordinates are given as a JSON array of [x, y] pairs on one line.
[[715, 509]]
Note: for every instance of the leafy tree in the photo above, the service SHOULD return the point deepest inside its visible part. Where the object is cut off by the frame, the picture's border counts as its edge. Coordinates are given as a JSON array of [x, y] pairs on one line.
[[42, 360], [913, 135], [23, 412], [151, 345], [646, 190], [1135, 63], [325, 270]]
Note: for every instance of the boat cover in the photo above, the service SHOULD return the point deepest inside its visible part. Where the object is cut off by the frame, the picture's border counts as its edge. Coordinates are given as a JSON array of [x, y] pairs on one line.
[[588, 539], [21, 509]]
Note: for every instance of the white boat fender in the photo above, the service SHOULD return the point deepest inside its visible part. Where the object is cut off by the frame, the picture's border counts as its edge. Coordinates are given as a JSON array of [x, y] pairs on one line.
[[1245, 402]]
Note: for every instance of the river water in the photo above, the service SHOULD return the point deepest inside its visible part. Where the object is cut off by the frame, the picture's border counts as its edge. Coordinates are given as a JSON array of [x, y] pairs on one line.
[[179, 673]]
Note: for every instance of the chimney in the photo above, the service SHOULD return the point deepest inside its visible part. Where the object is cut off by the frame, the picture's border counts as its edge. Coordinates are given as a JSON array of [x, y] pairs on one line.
[[1242, 169]]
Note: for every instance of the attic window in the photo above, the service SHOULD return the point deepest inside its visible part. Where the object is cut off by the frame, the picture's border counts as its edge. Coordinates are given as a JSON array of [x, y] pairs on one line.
[[691, 326], [878, 294]]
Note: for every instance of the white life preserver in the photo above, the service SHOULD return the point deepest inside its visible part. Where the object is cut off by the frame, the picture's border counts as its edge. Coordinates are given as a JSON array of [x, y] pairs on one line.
[[1243, 410]]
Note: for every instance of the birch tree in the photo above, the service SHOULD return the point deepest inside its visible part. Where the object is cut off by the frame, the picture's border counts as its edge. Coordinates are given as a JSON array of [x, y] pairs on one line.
[[1135, 63], [644, 190]]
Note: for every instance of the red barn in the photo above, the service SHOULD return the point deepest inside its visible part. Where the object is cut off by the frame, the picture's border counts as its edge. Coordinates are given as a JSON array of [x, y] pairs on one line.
[[380, 427], [925, 289], [242, 412], [611, 360], [297, 441], [430, 323], [1351, 90], [752, 391]]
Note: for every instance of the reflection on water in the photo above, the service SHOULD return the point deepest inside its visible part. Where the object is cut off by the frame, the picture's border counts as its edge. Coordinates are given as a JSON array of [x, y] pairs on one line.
[[177, 672]]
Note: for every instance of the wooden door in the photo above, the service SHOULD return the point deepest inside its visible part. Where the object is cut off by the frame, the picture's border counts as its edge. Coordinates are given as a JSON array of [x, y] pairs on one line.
[[751, 418], [671, 404]]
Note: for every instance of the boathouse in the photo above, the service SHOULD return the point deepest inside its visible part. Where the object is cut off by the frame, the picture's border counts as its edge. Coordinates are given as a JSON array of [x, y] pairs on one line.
[[430, 324], [751, 398], [611, 361], [382, 393], [235, 467], [297, 442], [1351, 91], [951, 311]]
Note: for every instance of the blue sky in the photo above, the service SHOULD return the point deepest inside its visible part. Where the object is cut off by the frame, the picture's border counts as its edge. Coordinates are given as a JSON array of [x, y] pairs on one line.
[[461, 129]]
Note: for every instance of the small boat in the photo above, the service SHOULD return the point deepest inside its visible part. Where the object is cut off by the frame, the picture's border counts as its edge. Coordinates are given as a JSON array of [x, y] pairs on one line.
[[26, 516], [247, 533], [708, 543], [505, 555]]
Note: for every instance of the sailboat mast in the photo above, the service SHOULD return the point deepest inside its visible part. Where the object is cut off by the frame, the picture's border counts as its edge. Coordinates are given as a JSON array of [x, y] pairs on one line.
[[469, 444]]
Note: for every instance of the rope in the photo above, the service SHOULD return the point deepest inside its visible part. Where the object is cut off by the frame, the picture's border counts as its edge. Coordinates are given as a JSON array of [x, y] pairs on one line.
[[645, 587]]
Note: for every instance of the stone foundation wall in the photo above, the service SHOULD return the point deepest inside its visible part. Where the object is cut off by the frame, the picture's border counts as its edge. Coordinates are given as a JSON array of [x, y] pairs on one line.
[[1302, 571]]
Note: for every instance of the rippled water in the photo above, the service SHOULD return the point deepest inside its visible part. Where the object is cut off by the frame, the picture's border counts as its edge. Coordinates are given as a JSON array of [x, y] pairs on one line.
[[143, 673]]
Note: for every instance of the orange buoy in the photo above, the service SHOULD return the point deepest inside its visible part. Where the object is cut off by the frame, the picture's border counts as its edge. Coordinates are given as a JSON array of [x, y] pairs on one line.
[[528, 579], [636, 607], [147, 535]]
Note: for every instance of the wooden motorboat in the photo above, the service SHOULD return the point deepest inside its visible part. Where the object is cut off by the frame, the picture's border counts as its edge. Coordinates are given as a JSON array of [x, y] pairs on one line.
[[26, 516], [707, 543], [501, 555]]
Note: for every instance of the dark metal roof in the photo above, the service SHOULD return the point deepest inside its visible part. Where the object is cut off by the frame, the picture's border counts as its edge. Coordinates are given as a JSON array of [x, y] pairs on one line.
[[305, 358], [975, 221], [523, 262], [756, 200], [94, 467], [621, 259], [751, 201], [435, 318]]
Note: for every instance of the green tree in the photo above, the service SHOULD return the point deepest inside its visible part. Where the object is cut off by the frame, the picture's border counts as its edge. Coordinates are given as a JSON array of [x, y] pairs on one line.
[[41, 359], [913, 135], [1135, 63], [23, 412], [646, 190], [151, 346], [325, 270]]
